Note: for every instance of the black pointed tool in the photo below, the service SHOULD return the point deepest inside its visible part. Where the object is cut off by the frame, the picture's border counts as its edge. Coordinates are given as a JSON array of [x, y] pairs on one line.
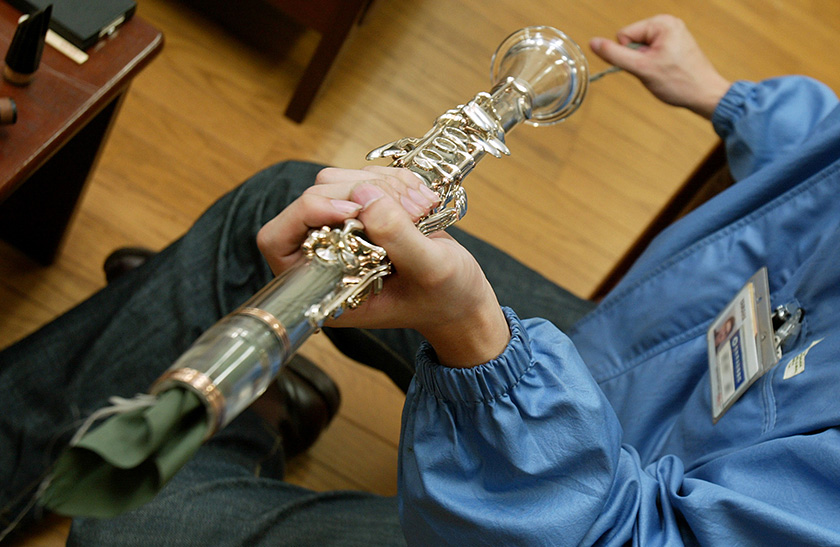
[[24, 54]]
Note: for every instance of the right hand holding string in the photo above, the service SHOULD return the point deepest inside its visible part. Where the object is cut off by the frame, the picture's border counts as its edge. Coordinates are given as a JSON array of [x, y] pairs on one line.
[[670, 63]]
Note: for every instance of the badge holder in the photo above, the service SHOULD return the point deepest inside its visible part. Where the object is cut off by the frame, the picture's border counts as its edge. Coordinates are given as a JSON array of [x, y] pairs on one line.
[[742, 344]]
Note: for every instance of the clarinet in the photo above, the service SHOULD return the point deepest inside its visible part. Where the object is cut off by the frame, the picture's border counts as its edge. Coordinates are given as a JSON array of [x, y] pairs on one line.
[[540, 77]]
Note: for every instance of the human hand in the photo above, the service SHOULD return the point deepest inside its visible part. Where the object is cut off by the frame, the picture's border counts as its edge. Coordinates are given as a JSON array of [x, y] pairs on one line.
[[669, 63], [436, 287]]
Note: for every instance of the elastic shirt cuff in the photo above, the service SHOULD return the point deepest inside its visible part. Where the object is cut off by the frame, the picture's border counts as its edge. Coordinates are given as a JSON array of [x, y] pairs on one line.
[[731, 107], [481, 383]]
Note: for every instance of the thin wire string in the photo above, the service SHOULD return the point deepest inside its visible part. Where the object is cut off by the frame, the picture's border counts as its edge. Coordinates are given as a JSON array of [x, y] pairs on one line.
[[613, 69]]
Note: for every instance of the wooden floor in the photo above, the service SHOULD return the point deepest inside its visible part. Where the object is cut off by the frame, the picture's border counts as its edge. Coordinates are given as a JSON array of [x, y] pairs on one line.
[[569, 201]]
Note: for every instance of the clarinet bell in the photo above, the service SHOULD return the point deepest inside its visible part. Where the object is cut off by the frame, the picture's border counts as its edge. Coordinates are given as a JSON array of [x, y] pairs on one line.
[[550, 65]]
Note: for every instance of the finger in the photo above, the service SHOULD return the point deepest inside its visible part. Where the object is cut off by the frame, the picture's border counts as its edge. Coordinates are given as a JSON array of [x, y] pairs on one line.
[[653, 31], [280, 239], [329, 204], [401, 184], [408, 177], [389, 225], [342, 186], [335, 175], [340, 189], [415, 202], [331, 175], [643, 32], [616, 54]]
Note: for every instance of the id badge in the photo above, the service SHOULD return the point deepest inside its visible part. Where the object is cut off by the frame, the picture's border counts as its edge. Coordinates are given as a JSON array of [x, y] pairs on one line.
[[740, 344]]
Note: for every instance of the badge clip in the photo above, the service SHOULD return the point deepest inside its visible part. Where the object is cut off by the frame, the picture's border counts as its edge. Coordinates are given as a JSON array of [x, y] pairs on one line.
[[786, 325]]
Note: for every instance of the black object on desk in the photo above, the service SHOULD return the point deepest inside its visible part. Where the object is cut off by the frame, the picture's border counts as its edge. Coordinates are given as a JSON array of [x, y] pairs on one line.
[[82, 22], [24, 54]]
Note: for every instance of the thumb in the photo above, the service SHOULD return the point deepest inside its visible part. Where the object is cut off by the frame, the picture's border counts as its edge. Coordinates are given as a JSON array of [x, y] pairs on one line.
[[615, 54], [389, 225]]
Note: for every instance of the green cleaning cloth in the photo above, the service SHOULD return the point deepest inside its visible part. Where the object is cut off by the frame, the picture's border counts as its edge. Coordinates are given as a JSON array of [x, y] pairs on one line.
[[124, 462]]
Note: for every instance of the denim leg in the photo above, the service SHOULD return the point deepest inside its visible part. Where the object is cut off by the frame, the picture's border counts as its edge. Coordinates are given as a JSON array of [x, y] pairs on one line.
[[121, 339], [223, 496], [517, 286]]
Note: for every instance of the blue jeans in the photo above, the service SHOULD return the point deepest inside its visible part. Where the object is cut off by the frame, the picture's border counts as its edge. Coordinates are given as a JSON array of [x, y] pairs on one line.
[[121, 339]]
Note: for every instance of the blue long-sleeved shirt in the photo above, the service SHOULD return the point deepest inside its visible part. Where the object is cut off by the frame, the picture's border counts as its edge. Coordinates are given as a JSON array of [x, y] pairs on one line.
[[605, 436]]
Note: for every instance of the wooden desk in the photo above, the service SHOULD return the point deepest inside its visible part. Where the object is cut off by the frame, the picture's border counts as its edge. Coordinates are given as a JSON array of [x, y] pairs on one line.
[[64, 115]]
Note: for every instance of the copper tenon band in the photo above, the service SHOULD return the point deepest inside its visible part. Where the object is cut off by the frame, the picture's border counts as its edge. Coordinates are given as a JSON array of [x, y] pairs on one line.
[[203, 386], [271, 322]]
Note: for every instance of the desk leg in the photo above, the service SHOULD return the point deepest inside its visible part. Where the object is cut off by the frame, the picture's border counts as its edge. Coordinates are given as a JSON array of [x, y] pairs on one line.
[[328, 48], [36, 216]]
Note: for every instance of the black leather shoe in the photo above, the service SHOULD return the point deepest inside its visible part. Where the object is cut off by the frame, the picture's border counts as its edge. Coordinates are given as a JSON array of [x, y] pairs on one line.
[[124, 260], [309, 401]]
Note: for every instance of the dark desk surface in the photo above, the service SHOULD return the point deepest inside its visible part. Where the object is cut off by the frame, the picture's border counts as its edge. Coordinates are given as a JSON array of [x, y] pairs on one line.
[[64, 95]]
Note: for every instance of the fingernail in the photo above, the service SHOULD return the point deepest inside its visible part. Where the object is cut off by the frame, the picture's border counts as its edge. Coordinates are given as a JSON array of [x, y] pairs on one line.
[[346, 207], [429, 193], [365, 194], [412, 207], [419, 198]]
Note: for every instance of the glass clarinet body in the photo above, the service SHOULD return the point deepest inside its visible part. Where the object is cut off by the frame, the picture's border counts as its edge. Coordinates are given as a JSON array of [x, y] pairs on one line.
[[539, 77]]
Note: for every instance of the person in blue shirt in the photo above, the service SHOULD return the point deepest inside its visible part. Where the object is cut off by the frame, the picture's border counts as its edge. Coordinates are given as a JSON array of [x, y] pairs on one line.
[[531, 417]]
